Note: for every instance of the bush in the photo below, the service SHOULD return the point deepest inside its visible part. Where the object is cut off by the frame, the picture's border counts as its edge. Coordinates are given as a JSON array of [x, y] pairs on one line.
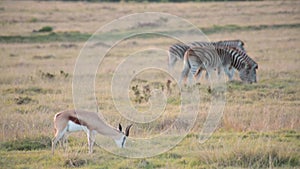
[[46, 29], [22, 100]]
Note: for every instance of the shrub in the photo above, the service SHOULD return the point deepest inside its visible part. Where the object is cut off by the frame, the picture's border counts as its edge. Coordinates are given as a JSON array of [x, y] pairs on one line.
[[46, 29], [22, 100]]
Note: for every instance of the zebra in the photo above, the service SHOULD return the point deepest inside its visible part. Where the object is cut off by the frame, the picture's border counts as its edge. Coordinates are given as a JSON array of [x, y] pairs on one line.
[[176, 51], [197, 59]]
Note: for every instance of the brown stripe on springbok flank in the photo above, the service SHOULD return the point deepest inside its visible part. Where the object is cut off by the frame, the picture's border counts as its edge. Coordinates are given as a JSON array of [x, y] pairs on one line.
[[75, 120]]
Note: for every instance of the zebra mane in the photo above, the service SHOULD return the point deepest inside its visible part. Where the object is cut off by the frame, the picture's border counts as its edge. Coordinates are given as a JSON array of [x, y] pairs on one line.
[[240, 42]]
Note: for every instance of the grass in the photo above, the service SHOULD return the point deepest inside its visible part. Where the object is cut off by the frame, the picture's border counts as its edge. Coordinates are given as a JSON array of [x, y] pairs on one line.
[[214, 153], [46, 29], [82, 37], [46, 38], [27, 144], [237, 28], [260, 123]]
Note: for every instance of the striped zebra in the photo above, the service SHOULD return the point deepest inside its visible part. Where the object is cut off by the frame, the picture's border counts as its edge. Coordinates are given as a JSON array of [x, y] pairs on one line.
[[209, 58], [176, 51]]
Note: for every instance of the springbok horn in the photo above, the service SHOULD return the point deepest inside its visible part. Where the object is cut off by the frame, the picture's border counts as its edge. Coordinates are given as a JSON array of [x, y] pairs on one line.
[[120, 127], [127, 130]]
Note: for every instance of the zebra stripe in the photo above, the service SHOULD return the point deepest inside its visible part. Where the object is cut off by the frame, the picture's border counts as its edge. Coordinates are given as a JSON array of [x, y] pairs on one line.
[[234, 43], [176, 51], [208, 58]]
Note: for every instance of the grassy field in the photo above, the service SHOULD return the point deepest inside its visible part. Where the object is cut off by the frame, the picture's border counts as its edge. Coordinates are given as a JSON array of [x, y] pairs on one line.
[[40, 42]]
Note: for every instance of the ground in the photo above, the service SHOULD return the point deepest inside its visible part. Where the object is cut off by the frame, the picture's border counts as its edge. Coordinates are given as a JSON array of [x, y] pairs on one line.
[[40, 42]]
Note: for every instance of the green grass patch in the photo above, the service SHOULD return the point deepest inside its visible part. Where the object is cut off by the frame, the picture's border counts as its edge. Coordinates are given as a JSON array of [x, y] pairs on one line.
[[233, 28], [46, 29], [174, 100], [30, 90], [263, 85], [27, 144], [44, 38], [171, 156], [147, 164], [33, 20], [80, 37], [223, 150]]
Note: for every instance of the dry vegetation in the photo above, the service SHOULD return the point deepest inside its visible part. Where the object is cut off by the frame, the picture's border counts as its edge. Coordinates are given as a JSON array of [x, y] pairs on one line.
[[260, 127]]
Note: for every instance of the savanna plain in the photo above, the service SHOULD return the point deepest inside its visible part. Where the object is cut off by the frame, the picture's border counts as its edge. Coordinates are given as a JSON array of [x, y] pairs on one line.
[[41, 40]]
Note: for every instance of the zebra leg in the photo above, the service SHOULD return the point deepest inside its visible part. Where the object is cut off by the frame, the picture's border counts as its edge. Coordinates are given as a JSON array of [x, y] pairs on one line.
[[172, 61], [184, 74], [190, 77], [198, 74], [219, 70], [206, 75], [229, 72], [211, 72], [195, 71]]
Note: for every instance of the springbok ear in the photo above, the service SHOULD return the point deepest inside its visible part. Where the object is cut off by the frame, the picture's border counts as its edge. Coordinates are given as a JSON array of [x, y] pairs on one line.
[[120, 127], [127, 130]]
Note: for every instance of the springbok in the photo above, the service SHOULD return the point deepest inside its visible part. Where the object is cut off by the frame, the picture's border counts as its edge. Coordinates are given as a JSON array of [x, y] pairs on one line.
[[69, 121]]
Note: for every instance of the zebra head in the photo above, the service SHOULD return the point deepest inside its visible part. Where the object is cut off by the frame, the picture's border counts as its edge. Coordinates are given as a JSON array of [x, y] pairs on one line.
[[248, 73]]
